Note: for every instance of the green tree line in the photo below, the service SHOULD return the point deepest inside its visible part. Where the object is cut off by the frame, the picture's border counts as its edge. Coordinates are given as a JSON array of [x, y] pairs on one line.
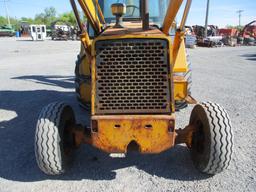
[[239, 28], [48, 16]]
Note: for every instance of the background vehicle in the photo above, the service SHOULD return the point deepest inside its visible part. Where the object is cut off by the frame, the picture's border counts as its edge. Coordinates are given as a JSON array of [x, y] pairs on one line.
[[24, 29], [6, 30], [249, 33], [229, 36], [127, 78], [213, 38], [190, 37], [62, 30], [38, 32]]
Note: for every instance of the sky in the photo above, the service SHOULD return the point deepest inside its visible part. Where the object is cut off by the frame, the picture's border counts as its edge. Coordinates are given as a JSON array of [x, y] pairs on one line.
[[222, 12]]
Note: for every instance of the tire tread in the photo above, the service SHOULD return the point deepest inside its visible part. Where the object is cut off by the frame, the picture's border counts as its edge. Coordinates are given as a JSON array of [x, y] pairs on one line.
[[221, 148], [47, 138]]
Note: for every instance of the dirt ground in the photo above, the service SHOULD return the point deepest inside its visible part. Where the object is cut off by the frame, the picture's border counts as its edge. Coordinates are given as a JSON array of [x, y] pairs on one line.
[[34, 74]]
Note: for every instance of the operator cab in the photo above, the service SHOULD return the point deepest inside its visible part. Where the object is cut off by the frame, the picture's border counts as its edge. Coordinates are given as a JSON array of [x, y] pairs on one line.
[[134, 13], [157, 10]]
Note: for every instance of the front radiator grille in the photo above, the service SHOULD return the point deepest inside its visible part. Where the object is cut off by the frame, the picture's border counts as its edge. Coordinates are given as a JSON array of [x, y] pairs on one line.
[[132, 77]]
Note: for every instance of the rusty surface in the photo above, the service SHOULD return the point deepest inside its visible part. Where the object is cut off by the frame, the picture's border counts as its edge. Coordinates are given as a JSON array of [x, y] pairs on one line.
[[190, 100], [131, 28], [152, 134], [185, 135], [81, 135], [134, 117]]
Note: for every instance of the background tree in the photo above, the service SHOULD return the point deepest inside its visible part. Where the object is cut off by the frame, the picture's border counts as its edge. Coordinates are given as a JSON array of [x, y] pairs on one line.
[[28, 20], [2, 20], [14, 22], [68, 17], [47, 17], [239, 28]]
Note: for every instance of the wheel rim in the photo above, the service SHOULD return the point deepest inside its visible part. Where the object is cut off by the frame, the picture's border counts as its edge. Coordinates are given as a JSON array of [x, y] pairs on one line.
[[198, 138], [67, 120], [200, 149], [68, 138]]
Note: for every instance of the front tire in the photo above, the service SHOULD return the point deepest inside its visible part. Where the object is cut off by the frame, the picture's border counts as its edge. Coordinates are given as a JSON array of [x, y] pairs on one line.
[[212, 142], [53, 141]]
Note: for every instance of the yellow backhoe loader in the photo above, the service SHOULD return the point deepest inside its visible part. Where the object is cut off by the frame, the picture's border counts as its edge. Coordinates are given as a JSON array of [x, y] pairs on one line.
[[133, 77]]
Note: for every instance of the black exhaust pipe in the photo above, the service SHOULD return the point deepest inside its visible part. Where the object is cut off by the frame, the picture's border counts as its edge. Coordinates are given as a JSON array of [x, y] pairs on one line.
[[145, 15]]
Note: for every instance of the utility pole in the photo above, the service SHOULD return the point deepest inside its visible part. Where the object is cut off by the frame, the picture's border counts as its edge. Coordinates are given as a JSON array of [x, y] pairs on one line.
[[240, 15], [206, 18], [7, 13]]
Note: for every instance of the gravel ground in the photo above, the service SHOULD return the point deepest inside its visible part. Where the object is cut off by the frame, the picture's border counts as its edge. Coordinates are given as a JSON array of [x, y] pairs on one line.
[[34, 74]]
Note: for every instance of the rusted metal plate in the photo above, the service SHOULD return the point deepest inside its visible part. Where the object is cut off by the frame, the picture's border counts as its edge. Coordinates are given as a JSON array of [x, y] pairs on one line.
[[153, 134]]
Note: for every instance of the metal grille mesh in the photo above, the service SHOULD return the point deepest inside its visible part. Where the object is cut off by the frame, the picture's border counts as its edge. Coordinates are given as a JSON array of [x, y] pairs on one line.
[[132, 76]]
